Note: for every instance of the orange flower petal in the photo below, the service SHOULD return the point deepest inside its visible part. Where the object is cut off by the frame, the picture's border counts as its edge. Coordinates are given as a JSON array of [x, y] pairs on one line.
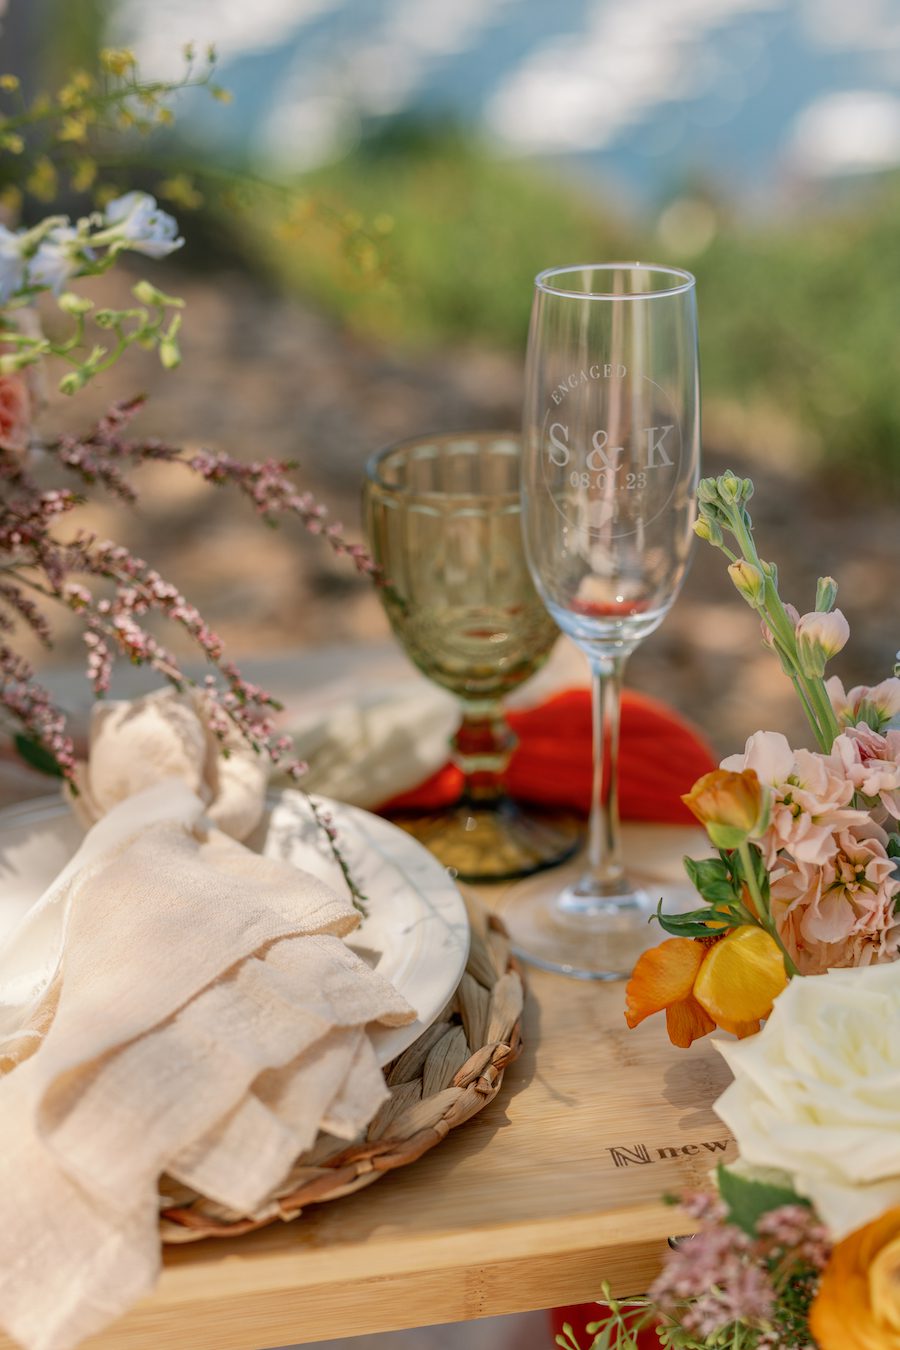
[[686, 1022], [740, 977], [858, 1303], [663, 975], [740, 1029]]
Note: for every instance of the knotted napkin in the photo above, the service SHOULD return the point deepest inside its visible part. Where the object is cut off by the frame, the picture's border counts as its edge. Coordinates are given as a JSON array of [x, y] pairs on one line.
[[172, 1004]]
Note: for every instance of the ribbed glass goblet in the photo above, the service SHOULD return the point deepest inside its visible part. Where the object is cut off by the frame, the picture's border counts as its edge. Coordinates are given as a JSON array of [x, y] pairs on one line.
[[443, 517]]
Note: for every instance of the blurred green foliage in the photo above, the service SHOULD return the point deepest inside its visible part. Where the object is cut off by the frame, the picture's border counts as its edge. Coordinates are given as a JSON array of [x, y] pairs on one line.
[[462, 235], [798, 316], [803, 316]]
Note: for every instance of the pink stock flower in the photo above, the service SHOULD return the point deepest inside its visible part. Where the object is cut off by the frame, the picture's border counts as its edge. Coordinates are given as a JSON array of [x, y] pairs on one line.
[[811, 798], [871, 763], [827, 632], [874, 705], [841, 913], [15, 413]]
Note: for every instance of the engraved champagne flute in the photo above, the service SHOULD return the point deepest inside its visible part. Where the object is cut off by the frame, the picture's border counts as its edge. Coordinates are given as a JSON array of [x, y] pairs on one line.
[[610, 464]]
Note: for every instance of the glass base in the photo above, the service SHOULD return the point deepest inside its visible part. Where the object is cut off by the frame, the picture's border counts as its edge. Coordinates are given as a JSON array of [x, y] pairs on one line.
[[584, 936], [495, 843]]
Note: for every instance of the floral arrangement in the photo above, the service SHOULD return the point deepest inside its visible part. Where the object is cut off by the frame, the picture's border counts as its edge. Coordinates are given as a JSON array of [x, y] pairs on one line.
[[801, 1246], [41, 481]]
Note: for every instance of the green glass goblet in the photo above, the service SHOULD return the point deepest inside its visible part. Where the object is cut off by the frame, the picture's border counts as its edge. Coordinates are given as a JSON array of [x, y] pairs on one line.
[[443, 521]]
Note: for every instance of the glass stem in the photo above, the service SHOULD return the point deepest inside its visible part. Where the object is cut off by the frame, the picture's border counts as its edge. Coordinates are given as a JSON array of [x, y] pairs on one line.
[[606, 870], [481, 748]]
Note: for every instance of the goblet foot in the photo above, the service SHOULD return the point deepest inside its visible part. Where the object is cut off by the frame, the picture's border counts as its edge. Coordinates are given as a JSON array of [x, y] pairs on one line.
[[583, 934], [484, 842]]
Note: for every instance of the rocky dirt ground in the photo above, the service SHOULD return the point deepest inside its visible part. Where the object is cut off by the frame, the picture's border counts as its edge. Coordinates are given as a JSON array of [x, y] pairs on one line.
[[263, 375]]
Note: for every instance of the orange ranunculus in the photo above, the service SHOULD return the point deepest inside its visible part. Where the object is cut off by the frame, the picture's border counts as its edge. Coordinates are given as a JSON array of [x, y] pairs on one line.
[[730, 983], [858, 1303], [732, 806]]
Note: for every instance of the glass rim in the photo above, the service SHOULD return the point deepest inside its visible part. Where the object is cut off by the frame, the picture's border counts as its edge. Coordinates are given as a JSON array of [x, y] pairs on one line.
[[686, 281], [482, 435]]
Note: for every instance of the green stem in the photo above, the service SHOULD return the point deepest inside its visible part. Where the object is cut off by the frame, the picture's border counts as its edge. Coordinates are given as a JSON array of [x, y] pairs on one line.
[[814, 696], [765, 914]]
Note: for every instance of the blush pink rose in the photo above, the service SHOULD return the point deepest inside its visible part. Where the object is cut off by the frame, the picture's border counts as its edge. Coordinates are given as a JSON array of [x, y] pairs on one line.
[[15, 413]]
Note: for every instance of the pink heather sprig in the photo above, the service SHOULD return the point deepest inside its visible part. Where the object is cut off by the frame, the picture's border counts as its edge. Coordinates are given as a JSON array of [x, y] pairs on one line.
[[273, 494], [14, 599], [104, 455], [34, 559], [29, 704]]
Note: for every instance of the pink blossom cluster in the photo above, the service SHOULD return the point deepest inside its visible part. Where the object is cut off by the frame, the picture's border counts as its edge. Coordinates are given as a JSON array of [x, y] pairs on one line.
[[834, 884], [722, 1275]]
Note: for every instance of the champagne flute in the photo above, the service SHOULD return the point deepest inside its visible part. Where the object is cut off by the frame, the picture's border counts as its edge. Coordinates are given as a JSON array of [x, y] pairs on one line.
[[609, 478], [443, 522]]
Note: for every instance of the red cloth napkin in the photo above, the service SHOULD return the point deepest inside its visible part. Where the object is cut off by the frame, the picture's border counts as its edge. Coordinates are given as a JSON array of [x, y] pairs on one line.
[[661, 756]]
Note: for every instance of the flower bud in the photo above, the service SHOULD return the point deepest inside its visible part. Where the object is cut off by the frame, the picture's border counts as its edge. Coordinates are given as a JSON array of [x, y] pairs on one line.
[[750, 582], [70, 303], [731, 488], [71, 383], [169, 353], [826, 594], [709, 529], [707, 490], [819, 637], [733, 807]]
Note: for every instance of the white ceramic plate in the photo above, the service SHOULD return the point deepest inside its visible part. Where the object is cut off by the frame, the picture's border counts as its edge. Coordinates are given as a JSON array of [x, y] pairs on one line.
[[416, 933]]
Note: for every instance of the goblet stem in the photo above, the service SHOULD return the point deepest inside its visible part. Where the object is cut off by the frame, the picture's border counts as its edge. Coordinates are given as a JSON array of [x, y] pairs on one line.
[[481, 748]]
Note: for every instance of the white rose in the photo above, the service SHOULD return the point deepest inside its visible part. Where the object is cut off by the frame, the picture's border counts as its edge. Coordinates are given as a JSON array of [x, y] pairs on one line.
[[817, 1093]]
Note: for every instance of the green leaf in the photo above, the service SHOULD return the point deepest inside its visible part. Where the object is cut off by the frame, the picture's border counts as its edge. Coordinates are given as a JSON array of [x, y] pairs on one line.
[[37, 756], [747, 1199], [686, 925], [713, 879], [697, 922]]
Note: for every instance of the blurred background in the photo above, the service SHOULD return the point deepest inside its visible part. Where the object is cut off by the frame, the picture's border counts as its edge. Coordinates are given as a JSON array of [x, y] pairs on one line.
[[364, 220]]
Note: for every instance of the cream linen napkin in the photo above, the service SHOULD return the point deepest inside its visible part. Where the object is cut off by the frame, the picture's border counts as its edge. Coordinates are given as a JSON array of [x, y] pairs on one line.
[[173, 1003], [369, 750]]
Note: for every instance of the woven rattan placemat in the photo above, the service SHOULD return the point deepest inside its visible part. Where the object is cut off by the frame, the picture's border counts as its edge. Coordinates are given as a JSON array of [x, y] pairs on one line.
[[448, 1075]]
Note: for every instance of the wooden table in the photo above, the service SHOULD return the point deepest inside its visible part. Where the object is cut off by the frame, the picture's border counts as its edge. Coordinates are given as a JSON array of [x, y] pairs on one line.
[[551, 1189]]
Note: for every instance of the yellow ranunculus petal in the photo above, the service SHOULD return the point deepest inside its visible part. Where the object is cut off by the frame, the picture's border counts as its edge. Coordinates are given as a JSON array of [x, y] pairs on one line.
[[740, 977]]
